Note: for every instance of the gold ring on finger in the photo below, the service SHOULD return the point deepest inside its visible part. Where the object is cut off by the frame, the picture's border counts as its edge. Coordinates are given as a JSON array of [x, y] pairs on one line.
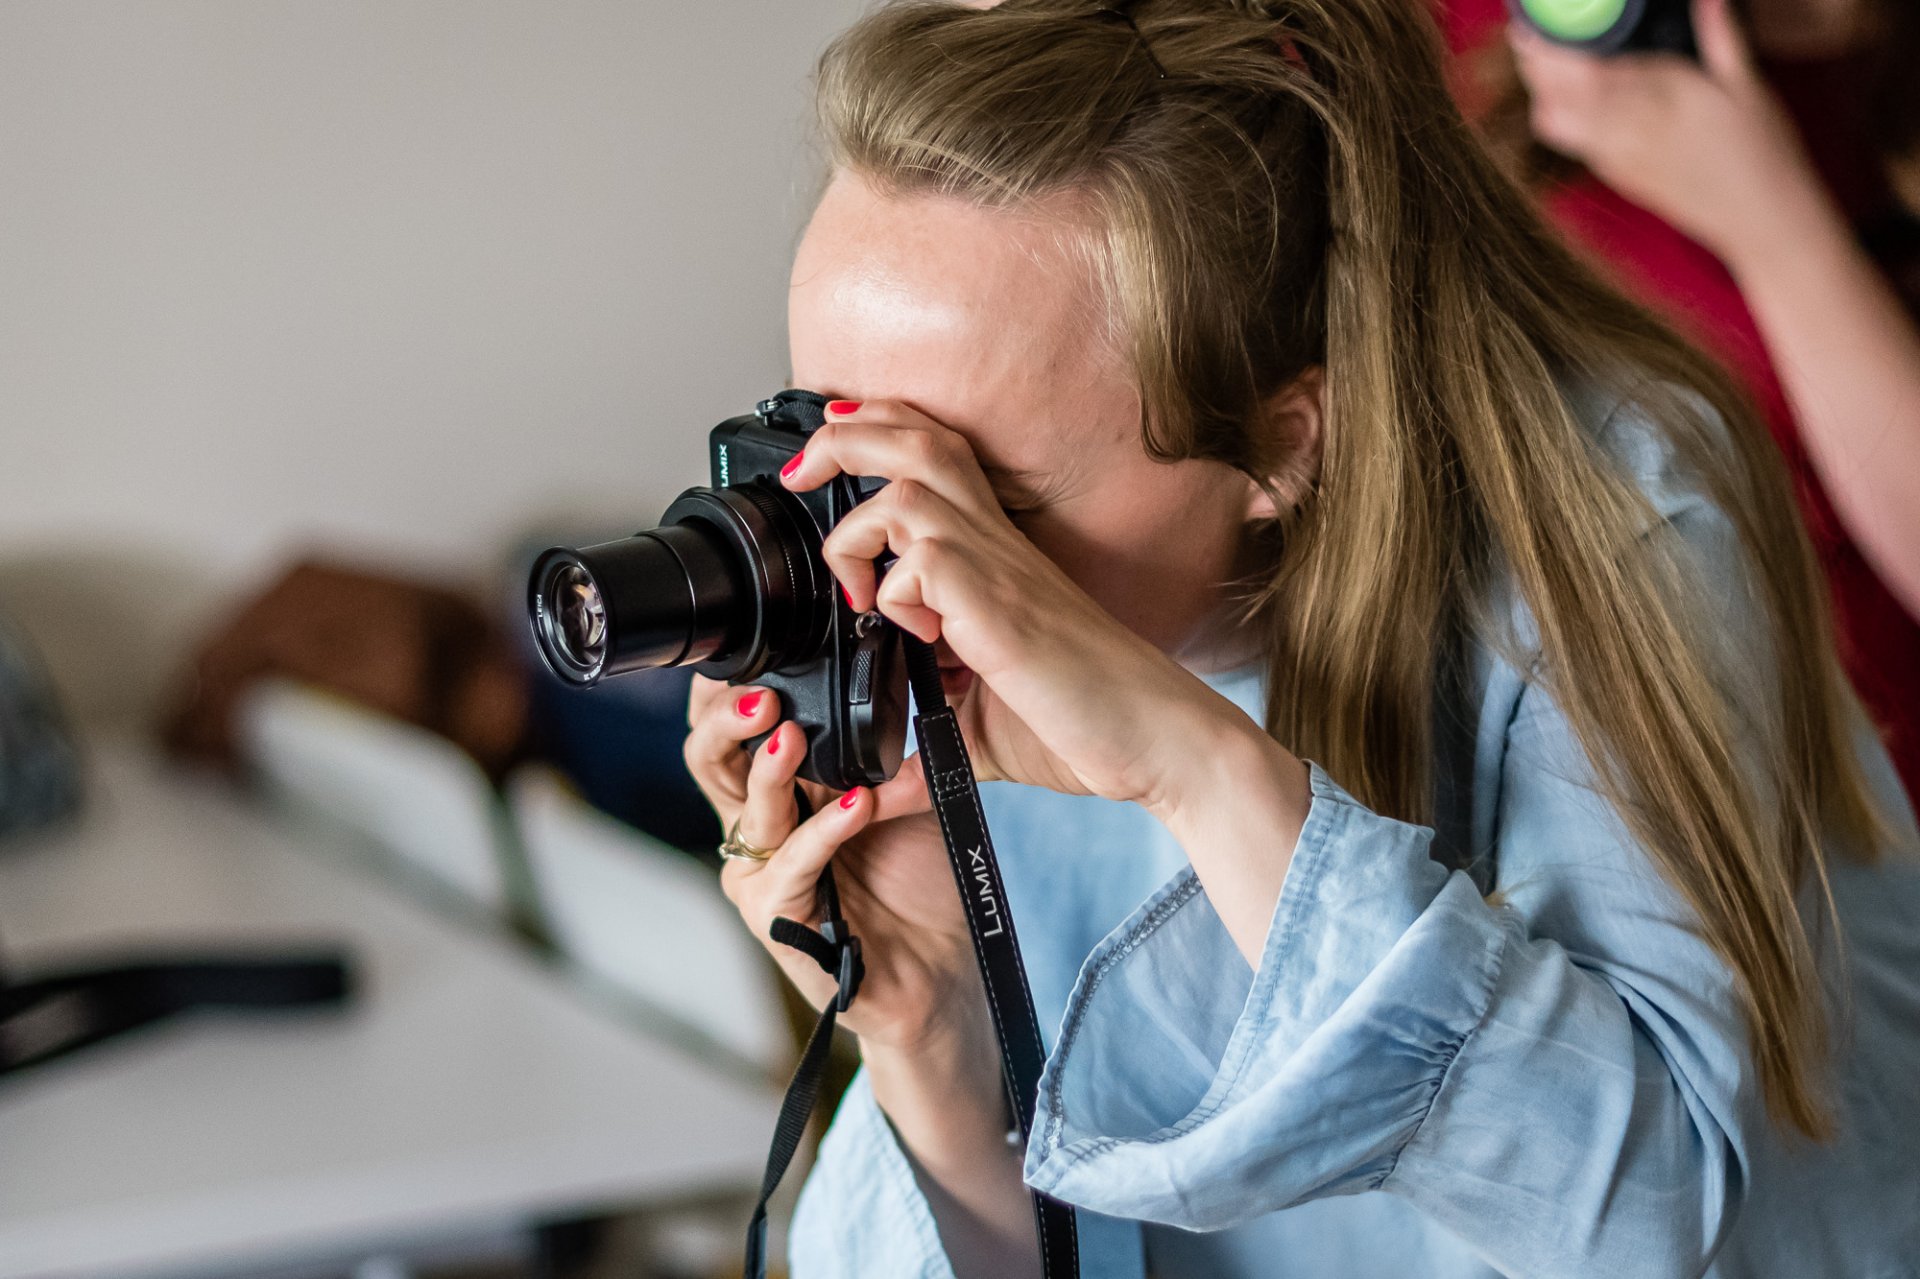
[[735, 847]]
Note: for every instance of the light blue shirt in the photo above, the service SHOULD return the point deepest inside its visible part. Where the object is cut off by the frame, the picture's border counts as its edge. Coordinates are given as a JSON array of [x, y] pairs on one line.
[[1417, 1082]]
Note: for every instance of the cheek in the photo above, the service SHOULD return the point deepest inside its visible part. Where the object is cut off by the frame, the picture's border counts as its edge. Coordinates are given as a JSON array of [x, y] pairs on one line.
[[1154, 560]]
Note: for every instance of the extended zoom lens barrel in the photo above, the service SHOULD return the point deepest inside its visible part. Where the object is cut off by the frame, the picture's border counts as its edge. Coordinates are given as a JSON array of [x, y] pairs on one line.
[[660, 598], [727, 580]]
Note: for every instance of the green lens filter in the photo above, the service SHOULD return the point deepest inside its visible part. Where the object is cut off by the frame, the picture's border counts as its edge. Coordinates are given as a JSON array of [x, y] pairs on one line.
[[1575, 19]]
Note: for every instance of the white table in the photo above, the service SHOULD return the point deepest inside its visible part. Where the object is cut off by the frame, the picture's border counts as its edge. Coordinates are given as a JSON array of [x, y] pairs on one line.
[[467, 1086]]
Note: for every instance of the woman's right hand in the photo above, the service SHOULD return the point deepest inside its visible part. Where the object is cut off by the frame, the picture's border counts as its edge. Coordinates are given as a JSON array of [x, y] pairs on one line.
[[1705, 145], [896, 889]]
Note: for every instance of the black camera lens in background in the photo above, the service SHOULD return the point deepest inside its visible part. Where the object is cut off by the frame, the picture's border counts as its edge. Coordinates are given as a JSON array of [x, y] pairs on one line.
[[1607, 27], [726, 580]]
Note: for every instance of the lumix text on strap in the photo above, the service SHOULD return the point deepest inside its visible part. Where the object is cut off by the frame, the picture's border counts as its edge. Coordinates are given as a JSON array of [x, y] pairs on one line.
[[976, 871]]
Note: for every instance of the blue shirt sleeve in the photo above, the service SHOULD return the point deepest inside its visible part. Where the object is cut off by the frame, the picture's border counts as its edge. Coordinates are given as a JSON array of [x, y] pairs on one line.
[[862, 1213], [1560, 1080]]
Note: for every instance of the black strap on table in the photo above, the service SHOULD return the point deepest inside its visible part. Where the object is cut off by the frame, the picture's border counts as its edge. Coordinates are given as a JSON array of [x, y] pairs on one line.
[[51, 1015], [963, 827]]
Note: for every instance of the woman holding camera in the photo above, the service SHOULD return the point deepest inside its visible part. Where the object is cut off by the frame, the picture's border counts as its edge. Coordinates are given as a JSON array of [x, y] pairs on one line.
[[1237, 414]]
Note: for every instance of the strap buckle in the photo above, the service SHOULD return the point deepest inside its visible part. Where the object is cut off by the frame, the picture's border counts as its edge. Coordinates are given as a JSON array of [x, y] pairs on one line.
[[852, 969], [839, 958]]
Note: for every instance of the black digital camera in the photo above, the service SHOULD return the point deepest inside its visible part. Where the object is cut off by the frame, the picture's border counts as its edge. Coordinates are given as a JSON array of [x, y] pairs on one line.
[[733, 583]]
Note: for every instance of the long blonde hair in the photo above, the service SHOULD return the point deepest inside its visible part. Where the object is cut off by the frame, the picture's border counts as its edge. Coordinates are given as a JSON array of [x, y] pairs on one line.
[[1276, 186]]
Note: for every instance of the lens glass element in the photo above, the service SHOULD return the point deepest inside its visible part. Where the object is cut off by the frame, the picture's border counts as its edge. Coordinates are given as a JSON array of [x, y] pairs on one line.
[[574, 602]]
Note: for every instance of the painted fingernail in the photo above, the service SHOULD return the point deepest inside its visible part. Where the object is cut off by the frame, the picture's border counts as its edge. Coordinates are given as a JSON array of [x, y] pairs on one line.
[[773, 743], [852, 797], [750, 703], [843, 406], [793, 464], [847, 595]]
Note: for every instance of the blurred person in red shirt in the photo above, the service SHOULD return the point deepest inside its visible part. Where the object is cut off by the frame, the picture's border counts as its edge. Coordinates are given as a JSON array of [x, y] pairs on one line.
[[1763, 198]]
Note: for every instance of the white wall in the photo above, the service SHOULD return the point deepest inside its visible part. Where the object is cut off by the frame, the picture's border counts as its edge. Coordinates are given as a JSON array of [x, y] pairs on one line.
[[390, 275]]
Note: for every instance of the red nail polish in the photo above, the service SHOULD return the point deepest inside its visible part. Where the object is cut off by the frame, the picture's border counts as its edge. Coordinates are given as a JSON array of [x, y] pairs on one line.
[[749, 704], [843, 406], [773, 743], [793, 464], [847, 595], [852, 797]]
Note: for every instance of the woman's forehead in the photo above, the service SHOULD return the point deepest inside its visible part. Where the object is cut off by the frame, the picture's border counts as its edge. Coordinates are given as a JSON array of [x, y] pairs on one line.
[[975, 316]]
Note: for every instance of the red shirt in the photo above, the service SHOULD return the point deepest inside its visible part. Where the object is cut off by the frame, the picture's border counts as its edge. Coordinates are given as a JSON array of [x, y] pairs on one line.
[[1879, 639]]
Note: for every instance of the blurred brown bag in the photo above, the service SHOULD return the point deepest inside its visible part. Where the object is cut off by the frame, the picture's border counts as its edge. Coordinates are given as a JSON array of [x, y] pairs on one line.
[[418, 653]]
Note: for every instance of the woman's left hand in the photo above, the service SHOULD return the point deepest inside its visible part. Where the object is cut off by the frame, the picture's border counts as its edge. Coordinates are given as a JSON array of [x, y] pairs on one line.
[[1706, 146], [1064, 696]]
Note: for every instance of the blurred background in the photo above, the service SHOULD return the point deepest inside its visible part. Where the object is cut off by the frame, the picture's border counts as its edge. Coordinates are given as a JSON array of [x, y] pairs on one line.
[[335, 937], [316, 320]]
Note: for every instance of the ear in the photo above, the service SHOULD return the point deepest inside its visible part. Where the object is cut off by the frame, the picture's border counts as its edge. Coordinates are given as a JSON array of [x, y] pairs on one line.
[[1291, 426]]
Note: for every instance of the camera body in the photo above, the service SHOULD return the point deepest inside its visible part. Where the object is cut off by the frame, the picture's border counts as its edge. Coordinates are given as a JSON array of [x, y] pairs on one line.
[[733, 583], [1608, 27]]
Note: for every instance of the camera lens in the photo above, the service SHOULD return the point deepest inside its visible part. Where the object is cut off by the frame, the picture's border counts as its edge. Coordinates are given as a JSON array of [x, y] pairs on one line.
[[659, 598], [728, 581]]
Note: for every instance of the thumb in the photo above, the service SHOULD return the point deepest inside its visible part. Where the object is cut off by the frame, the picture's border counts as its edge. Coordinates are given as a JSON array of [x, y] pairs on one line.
[[905, 793], [1723, 46]]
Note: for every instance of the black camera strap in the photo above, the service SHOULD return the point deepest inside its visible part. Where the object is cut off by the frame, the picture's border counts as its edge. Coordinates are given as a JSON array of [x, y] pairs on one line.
[[837, 951], [955, 796], [976, 872]]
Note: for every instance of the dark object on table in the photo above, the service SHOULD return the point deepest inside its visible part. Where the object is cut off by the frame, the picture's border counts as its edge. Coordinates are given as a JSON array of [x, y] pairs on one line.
[[49, 1016], [419, 653], [39, 762]]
